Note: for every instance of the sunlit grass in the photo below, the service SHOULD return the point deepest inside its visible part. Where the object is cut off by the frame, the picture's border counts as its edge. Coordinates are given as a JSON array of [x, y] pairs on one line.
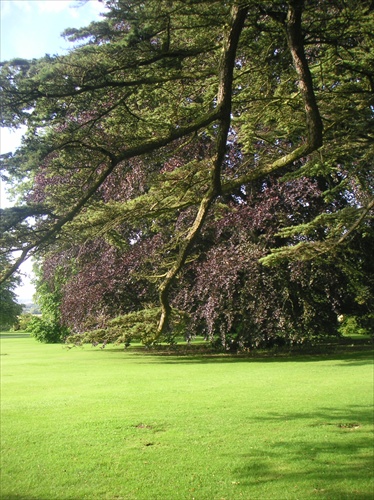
[[108, 424]]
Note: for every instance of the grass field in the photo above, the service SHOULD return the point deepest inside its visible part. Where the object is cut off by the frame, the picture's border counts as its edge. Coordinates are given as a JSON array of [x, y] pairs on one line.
[[107, 424]]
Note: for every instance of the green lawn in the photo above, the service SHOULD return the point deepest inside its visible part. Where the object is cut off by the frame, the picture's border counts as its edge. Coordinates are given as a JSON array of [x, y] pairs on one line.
[[108, 424]]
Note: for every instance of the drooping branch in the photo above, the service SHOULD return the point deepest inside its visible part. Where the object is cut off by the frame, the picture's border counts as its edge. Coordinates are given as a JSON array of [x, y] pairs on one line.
[[308, 250], [363, 215], [138, 150], [183, 253], [224, 98]]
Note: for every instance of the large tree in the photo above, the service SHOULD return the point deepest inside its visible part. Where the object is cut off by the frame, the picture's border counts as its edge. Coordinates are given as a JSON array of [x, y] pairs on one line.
[[166, 111]]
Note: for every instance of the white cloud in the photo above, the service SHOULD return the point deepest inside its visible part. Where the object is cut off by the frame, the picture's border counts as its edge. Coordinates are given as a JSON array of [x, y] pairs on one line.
[[47, 6], [10, 139], [72, 8], [32, 28], [26, 290], [9, 6], [96, 7], [52, 6], [4, 9], [87, 11]]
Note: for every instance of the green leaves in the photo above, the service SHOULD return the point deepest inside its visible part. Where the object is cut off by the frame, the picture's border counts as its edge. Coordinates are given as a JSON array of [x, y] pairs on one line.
[[139, 326], [9, 308]]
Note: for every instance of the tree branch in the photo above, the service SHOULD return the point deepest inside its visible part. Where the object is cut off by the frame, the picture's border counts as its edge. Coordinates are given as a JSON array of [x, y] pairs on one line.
[[312, 116], [138, 150], [224, 96], [296, 46]]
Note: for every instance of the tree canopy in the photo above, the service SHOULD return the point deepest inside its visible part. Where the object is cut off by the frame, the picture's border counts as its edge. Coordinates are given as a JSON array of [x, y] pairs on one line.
[[181, 140]]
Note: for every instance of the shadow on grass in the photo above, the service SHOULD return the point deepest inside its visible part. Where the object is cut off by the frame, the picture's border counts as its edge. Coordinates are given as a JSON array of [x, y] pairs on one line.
[[338, 466], [350, 356], [350, 418], [20, 497], [14, 335], [325, 478]]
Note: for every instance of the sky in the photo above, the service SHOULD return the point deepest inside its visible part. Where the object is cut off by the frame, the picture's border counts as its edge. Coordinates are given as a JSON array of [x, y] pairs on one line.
[[30, 29]]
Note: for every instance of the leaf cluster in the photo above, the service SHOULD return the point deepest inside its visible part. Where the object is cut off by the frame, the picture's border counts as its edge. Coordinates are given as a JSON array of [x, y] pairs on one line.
[[137, 326]]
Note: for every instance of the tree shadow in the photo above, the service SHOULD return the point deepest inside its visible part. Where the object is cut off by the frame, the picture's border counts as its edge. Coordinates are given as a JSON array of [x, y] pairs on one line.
[[20, 497], [14, 335], [326, 416], [173, 356], [339, 466]]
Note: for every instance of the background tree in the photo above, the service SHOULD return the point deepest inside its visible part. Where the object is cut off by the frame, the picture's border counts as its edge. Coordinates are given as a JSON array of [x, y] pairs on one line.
[[150, 130], [9, 308], [48, 326]]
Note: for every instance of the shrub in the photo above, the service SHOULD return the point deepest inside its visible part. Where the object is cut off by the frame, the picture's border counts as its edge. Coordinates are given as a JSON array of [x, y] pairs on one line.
[[351, 325], [48, 333], [24, 321], [140, 326]]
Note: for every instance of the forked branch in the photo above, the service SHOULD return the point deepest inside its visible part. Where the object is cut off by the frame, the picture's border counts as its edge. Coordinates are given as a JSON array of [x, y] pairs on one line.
[[314, 127], [224, 98]]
